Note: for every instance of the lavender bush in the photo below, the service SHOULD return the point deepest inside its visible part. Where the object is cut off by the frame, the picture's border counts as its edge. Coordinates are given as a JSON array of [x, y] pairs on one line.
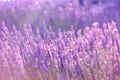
[[92, 54], [58, 13]]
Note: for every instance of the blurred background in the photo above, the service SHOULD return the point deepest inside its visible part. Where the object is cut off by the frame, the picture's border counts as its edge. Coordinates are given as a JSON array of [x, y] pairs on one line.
[[59, 13]]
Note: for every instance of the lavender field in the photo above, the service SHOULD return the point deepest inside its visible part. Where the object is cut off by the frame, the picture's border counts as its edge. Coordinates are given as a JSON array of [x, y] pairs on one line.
[[59, 40]]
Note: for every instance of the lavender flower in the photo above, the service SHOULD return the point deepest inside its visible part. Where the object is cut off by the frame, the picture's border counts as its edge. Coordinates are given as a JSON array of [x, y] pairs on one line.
[[92, 54]]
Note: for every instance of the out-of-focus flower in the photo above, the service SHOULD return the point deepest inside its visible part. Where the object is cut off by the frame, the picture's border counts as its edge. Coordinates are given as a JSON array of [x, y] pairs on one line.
[[91, 54]]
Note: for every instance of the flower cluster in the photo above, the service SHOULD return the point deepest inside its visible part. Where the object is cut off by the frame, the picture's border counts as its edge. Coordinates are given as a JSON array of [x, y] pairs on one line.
[[91, 54]]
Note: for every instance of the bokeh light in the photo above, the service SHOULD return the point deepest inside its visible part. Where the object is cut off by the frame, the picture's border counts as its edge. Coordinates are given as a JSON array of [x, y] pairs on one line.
[[7, 0]]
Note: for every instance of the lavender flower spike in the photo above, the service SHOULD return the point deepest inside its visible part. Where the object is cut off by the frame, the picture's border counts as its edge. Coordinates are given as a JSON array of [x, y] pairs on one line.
[[91, 54]]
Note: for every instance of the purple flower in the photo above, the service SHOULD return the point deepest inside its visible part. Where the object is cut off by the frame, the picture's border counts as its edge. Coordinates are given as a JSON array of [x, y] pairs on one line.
[[92, 54]]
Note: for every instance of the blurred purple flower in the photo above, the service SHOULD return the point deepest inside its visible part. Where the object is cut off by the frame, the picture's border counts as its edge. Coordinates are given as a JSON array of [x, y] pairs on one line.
[[92, 54]]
